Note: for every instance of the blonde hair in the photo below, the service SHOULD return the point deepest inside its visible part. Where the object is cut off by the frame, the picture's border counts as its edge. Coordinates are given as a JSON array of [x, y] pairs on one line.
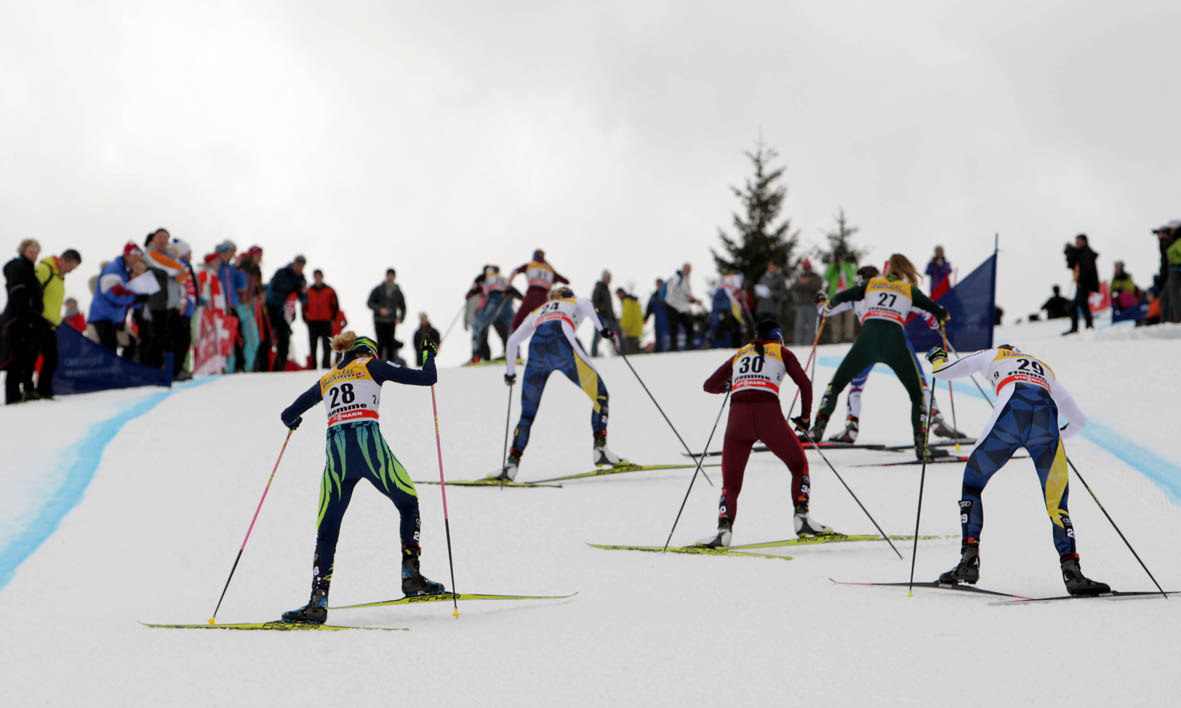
[[24, 245], [555, 293], [344, 341], [901, 266]]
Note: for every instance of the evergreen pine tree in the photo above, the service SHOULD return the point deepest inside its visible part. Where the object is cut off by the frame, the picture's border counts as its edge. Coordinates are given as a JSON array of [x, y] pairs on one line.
[[840, 243]]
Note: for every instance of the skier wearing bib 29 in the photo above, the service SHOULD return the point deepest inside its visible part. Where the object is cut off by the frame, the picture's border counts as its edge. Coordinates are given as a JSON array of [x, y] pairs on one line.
[[356, 450], [883, 340], [1029, 399], [754, 374], [555, 348]]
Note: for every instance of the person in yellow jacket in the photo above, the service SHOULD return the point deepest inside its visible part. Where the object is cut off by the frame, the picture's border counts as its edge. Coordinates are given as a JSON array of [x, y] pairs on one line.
[[51, 273], [631, 321]]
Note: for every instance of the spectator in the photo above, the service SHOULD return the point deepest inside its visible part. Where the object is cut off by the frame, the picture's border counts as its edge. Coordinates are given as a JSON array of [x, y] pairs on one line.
[[164, 305], [287, 283], [1081, 259], [803, 295], [51, 274], [1169, 237], [657, 311], [184, 300], [72, 316], [839, 276], [727, 314], [254, 300], [631, 321], [1057, 306], [601, 300], [112, 298], [389, 309], [541, 276], [1123, 290], [771, 293], [21, 322], [471, 310], [678, 305], [319, 312], [424, 333], [938, 270], [1153, 314], [129, 337], [233, 284], [496, 308]]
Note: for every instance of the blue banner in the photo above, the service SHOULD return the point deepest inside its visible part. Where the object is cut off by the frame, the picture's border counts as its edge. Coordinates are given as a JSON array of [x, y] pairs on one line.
[[972, 304], [84, 366]]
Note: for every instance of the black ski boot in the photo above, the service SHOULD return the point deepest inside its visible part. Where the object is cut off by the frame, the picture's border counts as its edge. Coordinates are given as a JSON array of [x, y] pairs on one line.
[[968, 569], [940, 427], [922, 451], [1078, 584], [413, 582], [315, 612], [722, 538], [509, 472], [818, 426], [850, 433]]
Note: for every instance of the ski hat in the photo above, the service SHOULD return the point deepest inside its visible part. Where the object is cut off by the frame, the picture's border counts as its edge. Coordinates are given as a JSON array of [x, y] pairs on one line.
[[806, 264], [539, 255], [182, 247], [132, 249], [365, 345], [1010, 347], [226, 246], [1173, 225], [769, 330]]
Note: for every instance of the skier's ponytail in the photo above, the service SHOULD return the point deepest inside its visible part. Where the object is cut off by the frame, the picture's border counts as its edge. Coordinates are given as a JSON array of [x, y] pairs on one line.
[[344, 341], [901, 266]]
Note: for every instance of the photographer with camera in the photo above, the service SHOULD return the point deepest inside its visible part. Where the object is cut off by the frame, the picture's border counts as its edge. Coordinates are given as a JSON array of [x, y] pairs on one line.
[[1081, 259]]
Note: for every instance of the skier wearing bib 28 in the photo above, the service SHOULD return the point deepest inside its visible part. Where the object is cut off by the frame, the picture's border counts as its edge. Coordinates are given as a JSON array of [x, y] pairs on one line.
[[555, 348], [1029, 398], [351, 392], [883, 340], [754, 374]]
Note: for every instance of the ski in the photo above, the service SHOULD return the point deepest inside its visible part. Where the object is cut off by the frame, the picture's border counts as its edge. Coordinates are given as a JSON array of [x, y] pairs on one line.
[[619, 469], [276, 626], [447, 596], [691, 550], [935, 586], [489, 483], [807, 446], [1113, 595], [942, 443], [833, 538], [936, 461]]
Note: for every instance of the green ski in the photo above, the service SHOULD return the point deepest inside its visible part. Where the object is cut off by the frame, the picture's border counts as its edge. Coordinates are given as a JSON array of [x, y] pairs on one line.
[[446, 596], [691, 550], [491, 483], [275, 626], [619, 469]]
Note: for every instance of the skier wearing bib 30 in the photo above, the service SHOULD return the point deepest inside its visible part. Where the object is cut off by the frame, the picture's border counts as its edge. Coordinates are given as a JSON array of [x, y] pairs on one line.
[[754, 374], [555, 348], [1029, 399], [351, 392], [883, 340]]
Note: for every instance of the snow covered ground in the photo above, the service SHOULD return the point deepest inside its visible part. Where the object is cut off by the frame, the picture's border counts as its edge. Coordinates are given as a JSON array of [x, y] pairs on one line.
[[154, 533]]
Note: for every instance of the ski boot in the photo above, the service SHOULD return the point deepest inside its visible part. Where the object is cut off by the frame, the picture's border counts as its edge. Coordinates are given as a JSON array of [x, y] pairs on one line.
[[850, 433], [923, 452], [807, 526], [509, 472], [942, 429], [1078, 584], [818, 426], [603, 455], [315, 612], [722, 538], [413, 582], [968, 569]]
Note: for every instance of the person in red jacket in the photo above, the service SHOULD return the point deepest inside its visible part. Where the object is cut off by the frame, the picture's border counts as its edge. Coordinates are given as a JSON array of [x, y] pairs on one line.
[[72, 316], [320, 312], [753, 375], [541, 277]]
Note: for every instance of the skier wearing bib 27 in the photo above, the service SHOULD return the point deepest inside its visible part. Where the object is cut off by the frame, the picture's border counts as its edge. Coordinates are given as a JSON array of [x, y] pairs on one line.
[[1029, 398], [754, 374], [351, 392], [883, 339], [555, 348]]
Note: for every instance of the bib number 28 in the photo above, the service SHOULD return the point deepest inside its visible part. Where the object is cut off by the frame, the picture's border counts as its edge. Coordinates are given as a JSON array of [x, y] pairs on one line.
[[342, 394]]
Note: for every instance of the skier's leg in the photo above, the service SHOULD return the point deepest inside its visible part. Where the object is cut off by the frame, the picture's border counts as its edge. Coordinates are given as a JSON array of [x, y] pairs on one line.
[[584, 376], [860, 356], [736, 446], [389, 476], [537, 371], [1049, 457], [336, 490], [989, 456], [856, 386]]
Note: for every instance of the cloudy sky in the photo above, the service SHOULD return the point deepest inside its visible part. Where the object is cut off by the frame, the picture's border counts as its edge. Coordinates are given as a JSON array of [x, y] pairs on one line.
[[436, 137]]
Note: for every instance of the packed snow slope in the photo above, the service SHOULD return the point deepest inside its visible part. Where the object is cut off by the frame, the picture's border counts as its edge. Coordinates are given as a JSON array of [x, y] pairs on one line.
[[153, 536]]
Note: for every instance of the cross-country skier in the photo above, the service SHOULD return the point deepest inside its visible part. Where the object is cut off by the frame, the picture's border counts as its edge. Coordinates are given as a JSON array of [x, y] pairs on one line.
[[853, 401], [754, 374], [554, 347], [889, 301], [496, 308], [351, 392], [541, 276], [1029, 399]]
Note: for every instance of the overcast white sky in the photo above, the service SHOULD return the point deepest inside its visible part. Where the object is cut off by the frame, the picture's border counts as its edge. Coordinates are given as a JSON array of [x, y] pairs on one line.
[[436, 137]]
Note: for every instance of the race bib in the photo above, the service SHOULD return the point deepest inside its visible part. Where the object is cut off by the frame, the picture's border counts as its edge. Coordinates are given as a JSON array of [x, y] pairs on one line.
[[758, 372], [887, 300], [1014, 367], [350, 394]]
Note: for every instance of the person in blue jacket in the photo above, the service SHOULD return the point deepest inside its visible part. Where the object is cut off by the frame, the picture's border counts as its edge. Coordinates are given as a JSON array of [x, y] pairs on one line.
[[356, 450], [112, 298]]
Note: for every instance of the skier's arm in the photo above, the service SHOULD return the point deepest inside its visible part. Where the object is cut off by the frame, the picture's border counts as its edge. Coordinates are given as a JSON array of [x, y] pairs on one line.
[[975, 363], [854, 293], [1075, 420], [588, 311], [836, 310], [560, 279], [923, 302], [307, 399], [514, 342], [797, 374], [719, 380], [383, 371]]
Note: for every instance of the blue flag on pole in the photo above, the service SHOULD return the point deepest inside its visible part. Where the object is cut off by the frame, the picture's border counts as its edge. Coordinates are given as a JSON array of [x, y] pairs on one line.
[[972, 305], [84, 366]]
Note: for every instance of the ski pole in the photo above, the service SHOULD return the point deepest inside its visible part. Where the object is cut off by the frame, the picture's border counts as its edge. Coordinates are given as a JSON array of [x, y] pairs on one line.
[[453, 321], [1117, 529], [950, 392], [919, 513], [811, 363], [850, 491], [700, 460], [241, 548], [657, 404], [507, 417], [443, 489]]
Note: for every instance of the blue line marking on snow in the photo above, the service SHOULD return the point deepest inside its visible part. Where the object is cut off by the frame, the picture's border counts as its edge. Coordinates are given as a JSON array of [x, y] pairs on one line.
[[1158, 470], [89, 454]]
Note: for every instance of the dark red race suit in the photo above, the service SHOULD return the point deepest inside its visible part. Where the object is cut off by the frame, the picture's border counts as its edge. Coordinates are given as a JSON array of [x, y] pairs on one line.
[[756, 416]]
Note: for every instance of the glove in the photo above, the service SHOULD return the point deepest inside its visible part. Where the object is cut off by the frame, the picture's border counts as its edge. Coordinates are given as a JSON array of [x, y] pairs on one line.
[[826, 310], [821, 297], [936, 355], [293, 425], [510, 379], [142, 298], [945, 318], [429, 348], [802, 424], [608, 333]]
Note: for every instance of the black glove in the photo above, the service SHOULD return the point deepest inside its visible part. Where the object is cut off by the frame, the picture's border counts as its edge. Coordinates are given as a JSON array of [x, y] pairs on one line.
[[802, 424], [821, 297], [936, 354], [429, 347], [140, 299], [293, 425], [510, 379], [607, 333]]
